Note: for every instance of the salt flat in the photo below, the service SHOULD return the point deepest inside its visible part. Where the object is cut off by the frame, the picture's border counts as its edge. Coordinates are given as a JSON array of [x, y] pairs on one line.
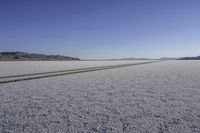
[[8, 68], [158, 97]]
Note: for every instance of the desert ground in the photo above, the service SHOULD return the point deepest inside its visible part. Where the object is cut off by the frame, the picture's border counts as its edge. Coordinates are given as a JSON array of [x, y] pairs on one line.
[[162, 97]]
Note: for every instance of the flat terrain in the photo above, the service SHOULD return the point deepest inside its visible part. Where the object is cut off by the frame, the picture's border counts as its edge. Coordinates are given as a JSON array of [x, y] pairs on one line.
[[8, 68], [159, 97]]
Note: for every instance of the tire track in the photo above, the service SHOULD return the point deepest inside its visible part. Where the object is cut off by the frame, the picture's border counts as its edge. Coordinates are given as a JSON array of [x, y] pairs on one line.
[[24, 77]]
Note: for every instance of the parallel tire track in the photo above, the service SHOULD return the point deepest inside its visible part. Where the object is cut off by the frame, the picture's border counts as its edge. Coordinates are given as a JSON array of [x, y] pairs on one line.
[[24, 77]]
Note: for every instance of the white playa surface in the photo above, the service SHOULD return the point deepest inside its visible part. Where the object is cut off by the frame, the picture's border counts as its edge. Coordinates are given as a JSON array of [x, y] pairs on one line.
[[8, 68], [160, 97]]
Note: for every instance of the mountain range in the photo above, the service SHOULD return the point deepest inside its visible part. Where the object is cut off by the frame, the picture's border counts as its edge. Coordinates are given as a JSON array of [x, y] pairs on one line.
[[190, 58], [22, 56]]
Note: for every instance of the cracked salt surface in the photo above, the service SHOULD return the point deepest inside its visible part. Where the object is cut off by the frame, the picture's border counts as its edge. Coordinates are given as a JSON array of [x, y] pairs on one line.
[[160, 97]]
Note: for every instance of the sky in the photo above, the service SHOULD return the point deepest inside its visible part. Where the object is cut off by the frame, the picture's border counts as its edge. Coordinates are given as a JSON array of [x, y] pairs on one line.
[[101, 29]]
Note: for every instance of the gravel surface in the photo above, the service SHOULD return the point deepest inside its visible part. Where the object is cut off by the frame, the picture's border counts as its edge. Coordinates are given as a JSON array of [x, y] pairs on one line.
[[161, 97]]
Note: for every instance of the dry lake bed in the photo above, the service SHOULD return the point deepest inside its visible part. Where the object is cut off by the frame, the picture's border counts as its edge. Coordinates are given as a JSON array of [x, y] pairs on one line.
[[160, 97]]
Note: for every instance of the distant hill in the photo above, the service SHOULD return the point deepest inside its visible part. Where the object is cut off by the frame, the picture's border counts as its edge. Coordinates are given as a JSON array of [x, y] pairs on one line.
[[190, 58], [135, 58], [164, 58], [22, 56], [131, 58], [168, 58]]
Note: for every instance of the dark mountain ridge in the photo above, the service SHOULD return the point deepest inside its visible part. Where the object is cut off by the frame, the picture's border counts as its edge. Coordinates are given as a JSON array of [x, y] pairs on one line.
[[190, 58], [22, 56]]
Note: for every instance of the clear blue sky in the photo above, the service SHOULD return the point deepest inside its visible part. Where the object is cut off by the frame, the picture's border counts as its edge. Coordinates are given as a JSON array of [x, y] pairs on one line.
[[101, 28]]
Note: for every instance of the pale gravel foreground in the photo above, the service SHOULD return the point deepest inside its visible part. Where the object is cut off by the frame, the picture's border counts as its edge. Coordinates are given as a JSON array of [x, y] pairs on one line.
[[161, 97]]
